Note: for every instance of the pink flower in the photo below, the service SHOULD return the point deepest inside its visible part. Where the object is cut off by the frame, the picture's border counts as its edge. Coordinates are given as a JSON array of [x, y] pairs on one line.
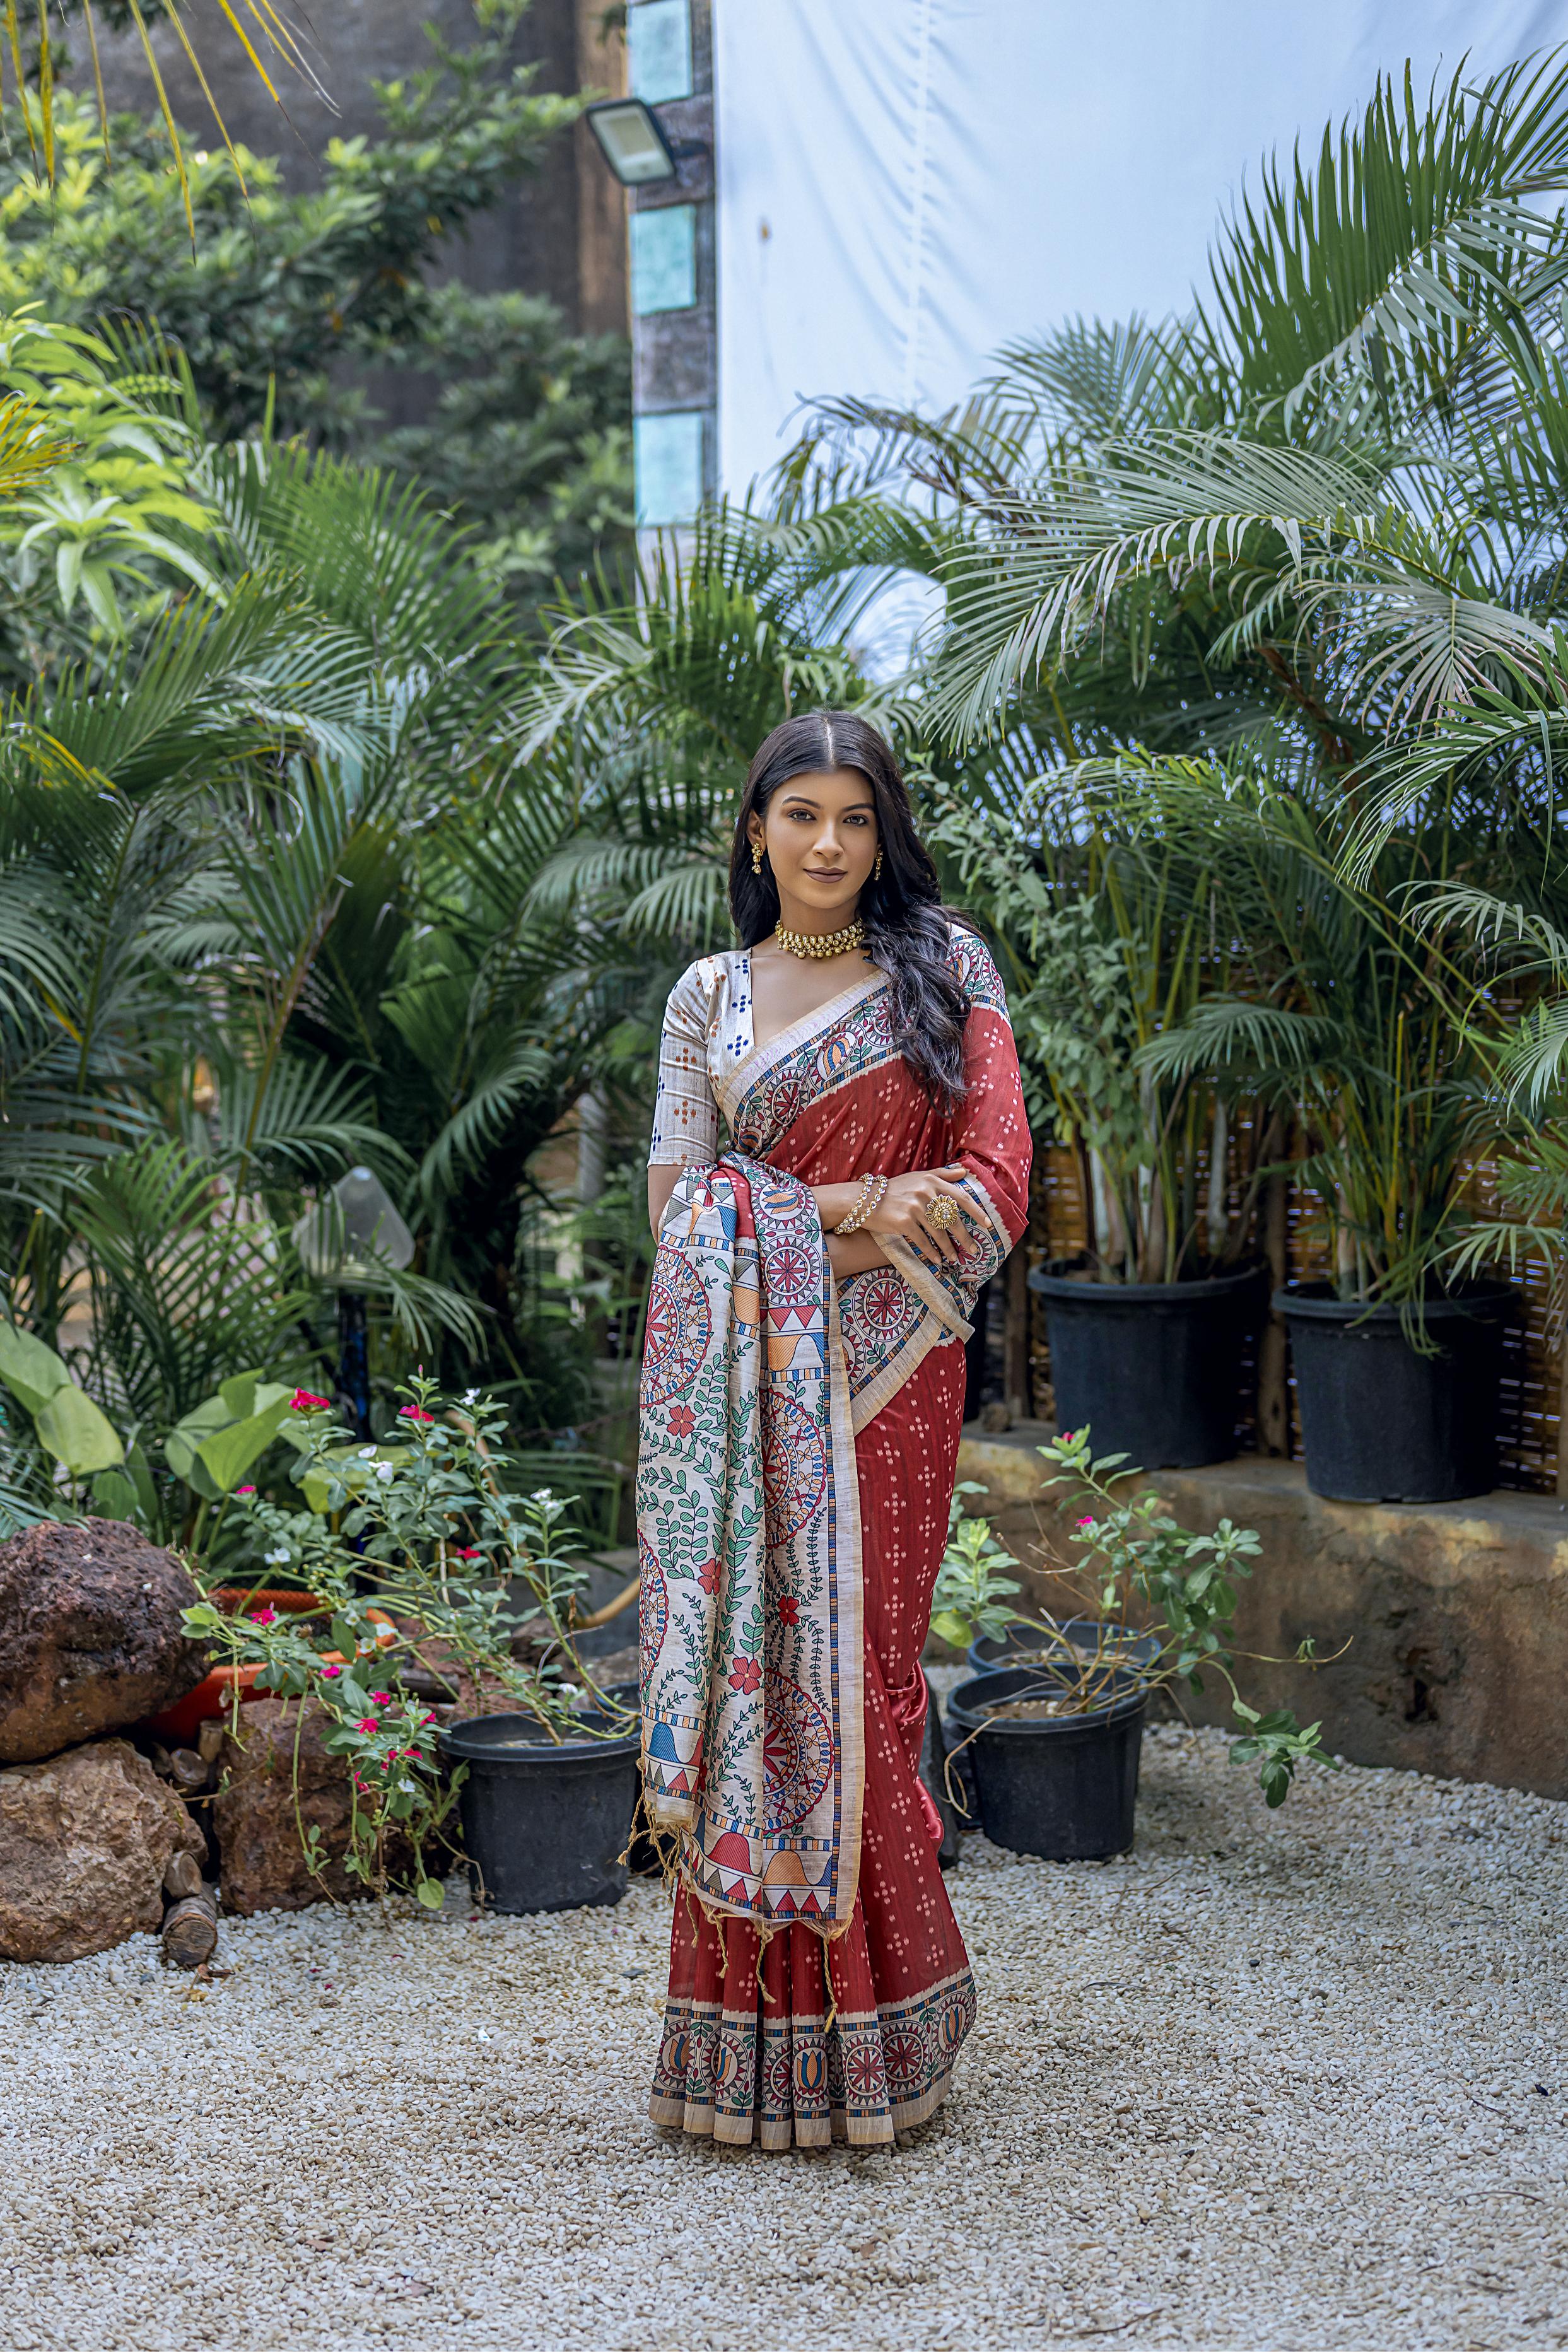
[[426, 1718], [412, 1412], [1085, 1523], [330, 1673], [368, 1723], [745, 1674], [264, 1616], [245, 1490], [303, 1401], [382, 1698], [681, 1420], [466, 1551]]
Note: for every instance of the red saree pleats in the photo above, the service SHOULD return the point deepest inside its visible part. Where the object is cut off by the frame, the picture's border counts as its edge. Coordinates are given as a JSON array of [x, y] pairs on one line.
[[796, 2039]]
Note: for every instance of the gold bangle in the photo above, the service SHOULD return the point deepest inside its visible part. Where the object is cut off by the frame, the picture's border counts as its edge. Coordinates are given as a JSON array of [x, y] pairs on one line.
[[866, 1200]]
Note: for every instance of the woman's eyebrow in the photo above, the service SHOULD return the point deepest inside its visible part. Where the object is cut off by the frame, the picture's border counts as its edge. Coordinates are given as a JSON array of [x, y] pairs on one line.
[[804, 800]]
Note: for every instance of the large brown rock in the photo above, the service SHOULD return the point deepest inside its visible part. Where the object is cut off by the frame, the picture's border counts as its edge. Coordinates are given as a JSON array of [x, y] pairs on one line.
[[90, 1634], [84, 1842], [258, 1824]]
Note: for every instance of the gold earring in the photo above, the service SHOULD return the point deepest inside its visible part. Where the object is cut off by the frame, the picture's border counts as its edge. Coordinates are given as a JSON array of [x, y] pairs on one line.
[[756, 857], [876, 869]]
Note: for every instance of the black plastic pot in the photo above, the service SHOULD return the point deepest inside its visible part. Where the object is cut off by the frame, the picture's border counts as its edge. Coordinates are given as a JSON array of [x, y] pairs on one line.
[[1382, 1422], [543, 1826], [1064, 1787], [1022, 1643], [1152, 1368]]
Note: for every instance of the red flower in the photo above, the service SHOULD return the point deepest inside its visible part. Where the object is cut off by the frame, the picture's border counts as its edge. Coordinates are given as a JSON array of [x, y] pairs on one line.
[[368, 1723], [788, 1608], [708, 1576], [412, 1412], [303, 1401], [745, 1674], [245, 1490], [681, 1421], [466, 1551], [264, 1616], [330, 1673], [382, 1698]]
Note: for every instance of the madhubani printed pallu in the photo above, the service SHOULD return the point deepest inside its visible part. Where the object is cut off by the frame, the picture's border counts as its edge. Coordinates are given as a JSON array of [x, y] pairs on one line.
[[798, 1445]]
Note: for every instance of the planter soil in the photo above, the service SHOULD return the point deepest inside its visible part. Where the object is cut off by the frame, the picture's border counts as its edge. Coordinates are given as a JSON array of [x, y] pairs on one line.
[[1021, 1644], [1064, 1787], [1152, 1369], [1382, 1422], [544, 1827]]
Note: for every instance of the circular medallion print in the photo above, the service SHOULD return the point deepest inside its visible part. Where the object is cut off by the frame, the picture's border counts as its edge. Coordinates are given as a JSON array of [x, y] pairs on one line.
[[786, 1101], [797, 1755], [884, 1303], [679, 1329], [790, 1273], [794, 1466]]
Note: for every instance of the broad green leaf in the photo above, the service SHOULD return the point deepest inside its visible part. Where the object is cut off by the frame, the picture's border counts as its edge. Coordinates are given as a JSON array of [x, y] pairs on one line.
[[75, 1431], [115, 1495], [32, 1372], [229, 1453], [214, 1446]]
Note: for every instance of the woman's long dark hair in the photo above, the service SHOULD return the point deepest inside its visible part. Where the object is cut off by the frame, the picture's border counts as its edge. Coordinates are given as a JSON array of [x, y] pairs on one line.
[[907, 927]]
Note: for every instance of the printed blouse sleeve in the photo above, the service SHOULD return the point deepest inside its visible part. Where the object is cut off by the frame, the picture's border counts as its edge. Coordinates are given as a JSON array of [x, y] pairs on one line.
[[991, 1129], [685, 1115]]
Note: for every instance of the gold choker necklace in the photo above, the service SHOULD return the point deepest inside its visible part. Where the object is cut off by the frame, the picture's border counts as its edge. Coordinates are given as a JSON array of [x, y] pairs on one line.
[[818, 945]]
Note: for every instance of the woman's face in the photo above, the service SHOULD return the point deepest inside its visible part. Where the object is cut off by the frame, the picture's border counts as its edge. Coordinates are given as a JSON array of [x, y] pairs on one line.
[[820, 835]]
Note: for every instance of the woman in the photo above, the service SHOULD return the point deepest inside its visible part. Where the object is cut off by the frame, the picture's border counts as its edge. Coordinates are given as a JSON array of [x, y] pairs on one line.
[[802, 1390]]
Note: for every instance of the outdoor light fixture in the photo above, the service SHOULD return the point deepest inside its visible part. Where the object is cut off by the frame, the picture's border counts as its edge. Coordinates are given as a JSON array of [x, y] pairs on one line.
[[632, 141], [346, 1236]]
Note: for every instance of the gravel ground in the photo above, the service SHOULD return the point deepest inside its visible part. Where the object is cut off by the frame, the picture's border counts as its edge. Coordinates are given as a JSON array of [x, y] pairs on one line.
[[1282, 2081]]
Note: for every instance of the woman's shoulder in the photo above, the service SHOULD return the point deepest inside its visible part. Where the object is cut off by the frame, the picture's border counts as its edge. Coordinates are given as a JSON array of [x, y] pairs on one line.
[[972, 963], [695, 991]]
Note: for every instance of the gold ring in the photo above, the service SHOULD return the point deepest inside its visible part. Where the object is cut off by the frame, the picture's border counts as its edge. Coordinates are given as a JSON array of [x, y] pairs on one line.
[[943, 1211]]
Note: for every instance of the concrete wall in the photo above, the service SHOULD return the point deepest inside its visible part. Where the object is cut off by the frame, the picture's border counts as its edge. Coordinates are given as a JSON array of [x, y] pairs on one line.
[[1456, 1614]]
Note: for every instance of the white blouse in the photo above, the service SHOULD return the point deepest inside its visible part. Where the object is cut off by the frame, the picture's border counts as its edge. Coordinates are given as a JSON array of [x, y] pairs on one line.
[[707, 1032]]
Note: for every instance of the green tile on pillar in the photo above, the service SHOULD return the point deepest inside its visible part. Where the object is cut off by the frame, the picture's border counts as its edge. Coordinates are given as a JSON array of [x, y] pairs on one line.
[[658, 45], [668, 451], [664, 259]]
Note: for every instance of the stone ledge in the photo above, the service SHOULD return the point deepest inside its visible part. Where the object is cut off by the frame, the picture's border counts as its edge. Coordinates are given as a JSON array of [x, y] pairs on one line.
[[1456, 1614]]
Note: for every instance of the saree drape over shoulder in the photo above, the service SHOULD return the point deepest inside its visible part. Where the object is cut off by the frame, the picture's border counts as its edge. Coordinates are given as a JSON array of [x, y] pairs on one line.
[[799, 1438]]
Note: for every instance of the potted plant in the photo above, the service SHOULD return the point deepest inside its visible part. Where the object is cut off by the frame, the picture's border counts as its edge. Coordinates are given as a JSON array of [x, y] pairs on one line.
[[1056, 1739], [426, 1533], [1114, 937], [1354, 1024]]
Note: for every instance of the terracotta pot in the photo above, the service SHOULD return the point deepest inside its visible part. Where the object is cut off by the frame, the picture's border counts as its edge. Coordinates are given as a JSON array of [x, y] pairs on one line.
[[214, 1695]]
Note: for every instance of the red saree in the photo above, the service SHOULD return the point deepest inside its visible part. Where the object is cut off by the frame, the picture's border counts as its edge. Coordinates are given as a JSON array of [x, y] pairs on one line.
[[798, 1447]]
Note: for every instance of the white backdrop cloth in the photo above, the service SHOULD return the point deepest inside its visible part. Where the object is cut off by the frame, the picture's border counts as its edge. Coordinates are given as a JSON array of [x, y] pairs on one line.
[[904, 185]]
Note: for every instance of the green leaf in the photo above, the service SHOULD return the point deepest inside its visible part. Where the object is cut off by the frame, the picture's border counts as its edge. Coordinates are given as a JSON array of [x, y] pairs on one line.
[[32, 1372], [216, 1442], [949, 1626], [75, 1431], [430, 1892], [115, 1495]]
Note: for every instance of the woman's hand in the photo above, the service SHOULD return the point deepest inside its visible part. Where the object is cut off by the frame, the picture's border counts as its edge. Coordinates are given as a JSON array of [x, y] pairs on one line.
[[905, 1208]]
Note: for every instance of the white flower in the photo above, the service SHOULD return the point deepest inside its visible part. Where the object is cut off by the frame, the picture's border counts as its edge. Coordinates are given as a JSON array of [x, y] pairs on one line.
[[470, 1396], [542, 1495], [386, 1470], [276, 1558], [367, 1453]]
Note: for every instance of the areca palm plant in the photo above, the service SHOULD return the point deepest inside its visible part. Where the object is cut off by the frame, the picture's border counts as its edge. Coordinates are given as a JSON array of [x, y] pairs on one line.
[[1311, 535], [285, 870]]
